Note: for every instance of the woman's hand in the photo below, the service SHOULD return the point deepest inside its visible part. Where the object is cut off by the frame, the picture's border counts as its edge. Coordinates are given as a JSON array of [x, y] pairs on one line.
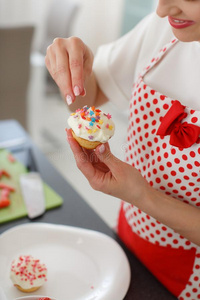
[[69, 61], [108, 174]]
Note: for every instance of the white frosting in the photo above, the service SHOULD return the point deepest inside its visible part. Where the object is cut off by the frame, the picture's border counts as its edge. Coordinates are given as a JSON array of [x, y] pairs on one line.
[[92, 124], [28, 272]]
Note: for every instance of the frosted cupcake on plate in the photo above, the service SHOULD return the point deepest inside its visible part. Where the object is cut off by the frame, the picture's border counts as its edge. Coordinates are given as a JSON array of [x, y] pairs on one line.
[[91, 127], [28, 274]]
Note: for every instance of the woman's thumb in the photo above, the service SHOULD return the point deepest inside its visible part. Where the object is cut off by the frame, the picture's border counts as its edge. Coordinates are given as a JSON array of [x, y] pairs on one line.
[[104, 154]]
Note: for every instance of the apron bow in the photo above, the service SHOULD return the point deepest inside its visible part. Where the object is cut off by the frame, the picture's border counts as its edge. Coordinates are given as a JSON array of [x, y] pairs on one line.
[[182, 135]]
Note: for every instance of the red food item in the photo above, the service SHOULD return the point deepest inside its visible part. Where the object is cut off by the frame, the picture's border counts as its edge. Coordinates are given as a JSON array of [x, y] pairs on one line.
[[4, 202], [46, 298], [4, 173], [6, 187], [11, 158], [5, 194]]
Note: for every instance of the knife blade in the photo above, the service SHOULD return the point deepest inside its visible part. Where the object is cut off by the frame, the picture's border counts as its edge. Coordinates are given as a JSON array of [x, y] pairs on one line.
[[33, 194]]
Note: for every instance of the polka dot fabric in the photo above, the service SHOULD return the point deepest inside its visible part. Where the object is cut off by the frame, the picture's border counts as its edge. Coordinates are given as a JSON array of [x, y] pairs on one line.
[[173, 170]]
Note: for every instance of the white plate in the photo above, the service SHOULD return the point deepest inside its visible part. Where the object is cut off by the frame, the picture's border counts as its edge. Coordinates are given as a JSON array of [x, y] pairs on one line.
[[82, 264]]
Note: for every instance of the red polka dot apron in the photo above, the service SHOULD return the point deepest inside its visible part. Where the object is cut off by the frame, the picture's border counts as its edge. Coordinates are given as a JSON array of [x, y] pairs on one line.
[[163, 144]]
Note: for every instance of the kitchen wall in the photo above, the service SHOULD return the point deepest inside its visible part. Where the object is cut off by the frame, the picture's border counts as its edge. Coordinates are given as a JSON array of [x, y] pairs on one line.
[[97, 21]]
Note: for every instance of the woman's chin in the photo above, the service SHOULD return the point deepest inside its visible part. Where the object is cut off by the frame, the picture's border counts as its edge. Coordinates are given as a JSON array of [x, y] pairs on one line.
[[183, 36]]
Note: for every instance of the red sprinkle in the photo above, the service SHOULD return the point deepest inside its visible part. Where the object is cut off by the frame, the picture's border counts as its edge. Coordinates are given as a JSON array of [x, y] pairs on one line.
[[4, 203]]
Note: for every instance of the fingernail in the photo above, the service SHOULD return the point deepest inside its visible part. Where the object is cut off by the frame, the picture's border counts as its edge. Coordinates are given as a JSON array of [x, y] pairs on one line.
[[102, 149], [69, 99], [76, 91]]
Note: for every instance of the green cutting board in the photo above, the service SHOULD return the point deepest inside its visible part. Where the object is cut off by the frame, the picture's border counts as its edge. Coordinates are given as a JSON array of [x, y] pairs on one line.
[[17, 208]]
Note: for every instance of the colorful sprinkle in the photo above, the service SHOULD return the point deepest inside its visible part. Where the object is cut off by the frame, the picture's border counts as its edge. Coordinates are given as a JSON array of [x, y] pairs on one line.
[[85, 108]]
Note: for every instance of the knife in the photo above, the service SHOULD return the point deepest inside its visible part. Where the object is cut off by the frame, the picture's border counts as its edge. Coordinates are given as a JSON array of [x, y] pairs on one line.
[[33, 194]]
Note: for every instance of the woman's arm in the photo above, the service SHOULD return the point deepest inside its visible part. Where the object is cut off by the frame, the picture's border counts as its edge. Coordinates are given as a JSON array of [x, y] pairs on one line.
[[182, 217], [108, 174]]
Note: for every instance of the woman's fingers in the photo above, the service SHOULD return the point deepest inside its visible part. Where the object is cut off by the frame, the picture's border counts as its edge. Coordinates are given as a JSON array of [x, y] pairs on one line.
[[76, 70], [80, 64], [81, 158], [104, 154], [50, 60], [62, 76], [69, 62]]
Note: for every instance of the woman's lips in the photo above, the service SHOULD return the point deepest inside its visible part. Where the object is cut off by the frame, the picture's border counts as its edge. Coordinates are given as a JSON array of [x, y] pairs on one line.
[[180, 23]]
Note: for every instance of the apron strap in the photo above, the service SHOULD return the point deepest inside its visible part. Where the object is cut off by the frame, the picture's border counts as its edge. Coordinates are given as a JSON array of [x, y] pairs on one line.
[[158, 57]]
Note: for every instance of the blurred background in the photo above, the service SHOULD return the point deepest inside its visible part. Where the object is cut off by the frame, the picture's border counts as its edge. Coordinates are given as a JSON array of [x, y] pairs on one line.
[[27, 92]]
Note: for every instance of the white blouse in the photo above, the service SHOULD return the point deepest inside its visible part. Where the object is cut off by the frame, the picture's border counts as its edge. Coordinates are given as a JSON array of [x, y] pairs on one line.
[[117, 65]]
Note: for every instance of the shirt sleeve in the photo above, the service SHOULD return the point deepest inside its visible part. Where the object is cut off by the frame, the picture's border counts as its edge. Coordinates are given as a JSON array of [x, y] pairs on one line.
[[117, 65]]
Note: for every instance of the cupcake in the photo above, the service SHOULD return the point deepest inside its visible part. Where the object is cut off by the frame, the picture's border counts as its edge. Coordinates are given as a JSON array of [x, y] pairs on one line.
[[91, 127], [28, 274]]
